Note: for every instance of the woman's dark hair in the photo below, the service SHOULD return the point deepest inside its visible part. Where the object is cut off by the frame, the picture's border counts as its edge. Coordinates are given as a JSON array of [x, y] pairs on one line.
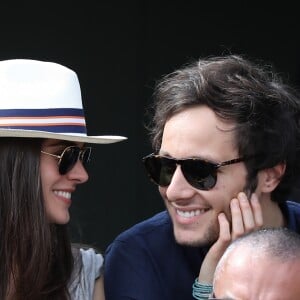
[[36, 260], [265, 110]]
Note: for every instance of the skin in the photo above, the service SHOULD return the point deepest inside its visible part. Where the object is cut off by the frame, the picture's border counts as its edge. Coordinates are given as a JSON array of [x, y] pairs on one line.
[[99, 289], [225, 211], [57, 188], [273, 280]]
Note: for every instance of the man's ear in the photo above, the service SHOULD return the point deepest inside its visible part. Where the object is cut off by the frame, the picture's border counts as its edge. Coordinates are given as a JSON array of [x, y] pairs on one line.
[[270, 178]]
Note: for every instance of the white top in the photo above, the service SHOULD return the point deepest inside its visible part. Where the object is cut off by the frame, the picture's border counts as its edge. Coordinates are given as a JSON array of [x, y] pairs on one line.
[[82, 287]]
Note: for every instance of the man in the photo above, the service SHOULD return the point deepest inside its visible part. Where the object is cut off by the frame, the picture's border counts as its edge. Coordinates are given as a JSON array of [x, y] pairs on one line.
[[264, 264], [225, 135]]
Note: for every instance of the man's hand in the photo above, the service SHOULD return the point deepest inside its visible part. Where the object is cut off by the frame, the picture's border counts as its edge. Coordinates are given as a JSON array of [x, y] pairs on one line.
[[246, 216]]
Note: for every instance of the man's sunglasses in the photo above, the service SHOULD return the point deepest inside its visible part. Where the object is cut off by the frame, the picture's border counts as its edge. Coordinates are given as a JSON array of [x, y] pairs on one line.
[[70, 156], [199, 173]]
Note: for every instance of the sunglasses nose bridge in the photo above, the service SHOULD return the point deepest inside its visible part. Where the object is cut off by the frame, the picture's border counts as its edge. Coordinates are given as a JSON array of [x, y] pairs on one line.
[[84, 155], [179, 189], [178, 164], [81, 154], [175, 164]]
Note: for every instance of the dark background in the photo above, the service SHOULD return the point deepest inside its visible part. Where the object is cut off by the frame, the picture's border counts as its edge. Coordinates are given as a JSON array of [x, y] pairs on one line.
[[119, 50]]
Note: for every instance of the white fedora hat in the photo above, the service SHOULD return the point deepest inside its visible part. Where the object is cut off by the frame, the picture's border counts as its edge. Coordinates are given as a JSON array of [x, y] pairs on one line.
[[41, 99]]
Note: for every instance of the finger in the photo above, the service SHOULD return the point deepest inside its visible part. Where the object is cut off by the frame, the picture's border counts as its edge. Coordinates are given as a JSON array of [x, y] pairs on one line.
[[224, 235], [237, 219], [247, 213], [257, 211], [216, 251]]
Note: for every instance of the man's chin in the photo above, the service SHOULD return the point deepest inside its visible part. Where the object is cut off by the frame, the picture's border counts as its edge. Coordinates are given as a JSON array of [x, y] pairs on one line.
[[189, 241], [193, 240]]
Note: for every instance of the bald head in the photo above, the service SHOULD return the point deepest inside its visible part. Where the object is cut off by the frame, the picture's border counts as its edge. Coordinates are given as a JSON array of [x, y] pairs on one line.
[[261, 265]]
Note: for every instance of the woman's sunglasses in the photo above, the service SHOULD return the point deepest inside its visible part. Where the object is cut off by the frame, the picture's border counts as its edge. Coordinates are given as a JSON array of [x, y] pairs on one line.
[[199, 173], [70, 156]]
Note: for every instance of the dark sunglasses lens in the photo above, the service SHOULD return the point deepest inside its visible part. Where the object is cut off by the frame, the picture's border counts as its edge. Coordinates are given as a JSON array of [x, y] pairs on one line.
[[85, 155], [160, 169], [68, 159], [199, 174]]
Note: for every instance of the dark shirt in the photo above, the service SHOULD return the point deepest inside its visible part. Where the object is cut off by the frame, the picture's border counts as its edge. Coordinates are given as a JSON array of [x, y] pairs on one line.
[[145, 262]]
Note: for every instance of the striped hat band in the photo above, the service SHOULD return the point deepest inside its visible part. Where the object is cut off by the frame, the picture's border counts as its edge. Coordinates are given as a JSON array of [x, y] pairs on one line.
[[43, 100]]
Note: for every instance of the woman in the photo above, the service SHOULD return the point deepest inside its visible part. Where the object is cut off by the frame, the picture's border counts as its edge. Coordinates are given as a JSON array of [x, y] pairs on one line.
[[42, 157]]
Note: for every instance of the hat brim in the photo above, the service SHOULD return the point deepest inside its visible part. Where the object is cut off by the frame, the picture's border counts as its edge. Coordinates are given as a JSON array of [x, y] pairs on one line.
[[102, 139]]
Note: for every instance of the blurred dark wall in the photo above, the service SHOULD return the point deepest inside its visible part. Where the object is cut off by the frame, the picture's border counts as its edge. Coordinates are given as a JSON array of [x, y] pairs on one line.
[[119, 50]]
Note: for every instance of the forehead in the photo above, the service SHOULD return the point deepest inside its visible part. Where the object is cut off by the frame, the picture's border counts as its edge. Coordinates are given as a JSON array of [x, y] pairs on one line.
[[199, 131]]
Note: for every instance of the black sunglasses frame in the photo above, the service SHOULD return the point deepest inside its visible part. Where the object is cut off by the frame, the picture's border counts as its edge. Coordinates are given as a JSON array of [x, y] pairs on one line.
[[66, 163], [188, 166]]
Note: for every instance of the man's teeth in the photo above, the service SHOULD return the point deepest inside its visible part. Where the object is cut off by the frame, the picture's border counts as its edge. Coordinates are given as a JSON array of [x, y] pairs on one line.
[[63, 194], [190, 214]]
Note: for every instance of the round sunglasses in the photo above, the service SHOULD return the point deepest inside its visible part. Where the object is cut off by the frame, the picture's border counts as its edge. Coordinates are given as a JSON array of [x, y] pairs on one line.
[[70, 156], [199, 173]]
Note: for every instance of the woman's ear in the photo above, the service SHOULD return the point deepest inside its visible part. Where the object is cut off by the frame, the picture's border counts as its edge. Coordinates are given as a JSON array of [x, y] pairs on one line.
[[270, 178]]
